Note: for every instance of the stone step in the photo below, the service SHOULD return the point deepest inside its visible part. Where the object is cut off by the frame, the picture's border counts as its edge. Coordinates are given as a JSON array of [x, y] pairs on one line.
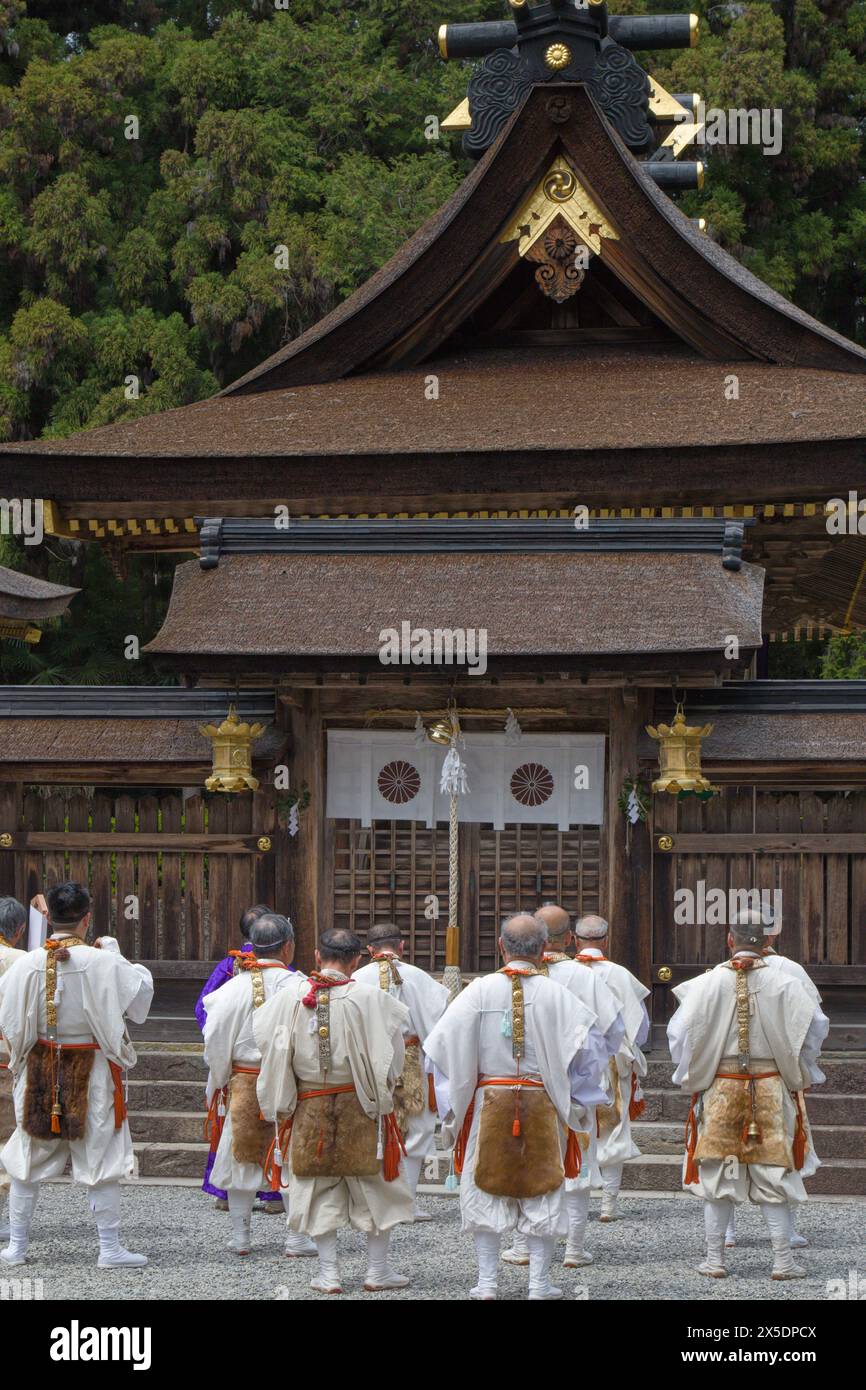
[[837, 1177], [170, 1160], [166, 1095], [845, 1075], [831, 1141], [166, 1126], [824, 1108], [156, 1064]]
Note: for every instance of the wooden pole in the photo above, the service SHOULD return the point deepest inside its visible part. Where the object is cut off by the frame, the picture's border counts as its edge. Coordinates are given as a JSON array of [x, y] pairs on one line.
[[629, 858], [304, 853]]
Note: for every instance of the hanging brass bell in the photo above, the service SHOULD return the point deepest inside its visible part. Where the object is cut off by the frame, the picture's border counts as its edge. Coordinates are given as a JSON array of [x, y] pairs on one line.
[[753, 1133]]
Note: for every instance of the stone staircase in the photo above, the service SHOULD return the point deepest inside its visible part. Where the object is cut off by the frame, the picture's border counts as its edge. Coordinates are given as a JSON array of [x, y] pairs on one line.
[[166, 1115]]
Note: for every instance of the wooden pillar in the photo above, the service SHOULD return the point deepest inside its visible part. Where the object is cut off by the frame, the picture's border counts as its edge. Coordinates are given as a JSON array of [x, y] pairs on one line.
[[304, 855], [629, 852]]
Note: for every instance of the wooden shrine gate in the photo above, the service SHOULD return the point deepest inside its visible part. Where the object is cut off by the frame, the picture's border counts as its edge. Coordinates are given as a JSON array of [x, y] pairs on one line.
[[811, 846], [398, 871], [170, 873]]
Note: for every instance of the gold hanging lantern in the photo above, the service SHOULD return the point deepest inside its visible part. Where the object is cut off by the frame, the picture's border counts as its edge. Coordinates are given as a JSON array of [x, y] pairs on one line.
[[680, 757], [232, 754]]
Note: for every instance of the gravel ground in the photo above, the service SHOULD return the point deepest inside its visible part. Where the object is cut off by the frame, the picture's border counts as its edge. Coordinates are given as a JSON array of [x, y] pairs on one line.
[[650, 1253]]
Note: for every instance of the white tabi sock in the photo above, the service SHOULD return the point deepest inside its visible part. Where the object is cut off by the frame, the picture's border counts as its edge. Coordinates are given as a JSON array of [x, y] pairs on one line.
[[611, 1181], [540, 1257], [241, 1214], [798, 1242], [296, 1242], [518, 1254], [487, 1254], [22, 1204], [328, 1278], [716, 1218], [577, 1203], [778, 1222], [731, 1232], [380, 1275], [105, 1205]]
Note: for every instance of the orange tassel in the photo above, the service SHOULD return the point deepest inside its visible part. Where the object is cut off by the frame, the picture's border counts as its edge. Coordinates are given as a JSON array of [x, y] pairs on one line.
[[799, 1146], [394, 1147], [320, 1142], [635, 1107], [691, 1174], [213, 1125], [515, 1128], [573, 1157], [273, 1171], [431, 1094], [55, 1124], [463, 1139]]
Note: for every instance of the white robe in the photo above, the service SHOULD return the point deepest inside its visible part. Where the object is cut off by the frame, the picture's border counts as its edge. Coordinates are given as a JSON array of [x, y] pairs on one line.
[[785, 1027], [8, 957], [97, 991], [366, 1036], [588, 986], [617, 1145], [228, 1038], [426, 1001], [563, 1049]]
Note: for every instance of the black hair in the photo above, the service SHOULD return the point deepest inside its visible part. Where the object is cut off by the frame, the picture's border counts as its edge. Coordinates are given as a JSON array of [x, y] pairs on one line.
[[68, 904], [385, 934], [340, 945], [269, 934], [251, 915]]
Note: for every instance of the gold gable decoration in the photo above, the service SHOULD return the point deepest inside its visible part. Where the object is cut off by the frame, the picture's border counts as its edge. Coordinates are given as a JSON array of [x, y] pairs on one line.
[[559, 193], [232, 754], [680, 771]]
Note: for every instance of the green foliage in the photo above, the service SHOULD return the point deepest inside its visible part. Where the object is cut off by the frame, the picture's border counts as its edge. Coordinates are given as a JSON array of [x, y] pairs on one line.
[[845, 657]]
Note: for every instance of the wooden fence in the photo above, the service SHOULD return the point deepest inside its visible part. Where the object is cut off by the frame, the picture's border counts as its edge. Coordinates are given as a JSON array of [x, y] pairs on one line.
[[170, 873]]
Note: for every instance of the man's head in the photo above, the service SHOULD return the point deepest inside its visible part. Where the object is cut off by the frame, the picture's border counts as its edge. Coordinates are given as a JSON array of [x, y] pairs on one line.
[[13, 919], [251, 915], [338, 949], [591, 930], [385, 936], [523, 937], [558, 923], [747, 931], [274, 936], [69, 908]]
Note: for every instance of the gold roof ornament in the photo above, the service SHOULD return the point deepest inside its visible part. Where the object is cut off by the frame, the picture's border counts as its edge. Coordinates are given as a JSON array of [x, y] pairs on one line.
[[559, 193], [680, 757], [232, 754]]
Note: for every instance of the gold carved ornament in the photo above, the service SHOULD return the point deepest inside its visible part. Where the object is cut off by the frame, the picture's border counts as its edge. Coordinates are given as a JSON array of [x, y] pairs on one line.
[[232, 755], [680, 758], [559, 218]]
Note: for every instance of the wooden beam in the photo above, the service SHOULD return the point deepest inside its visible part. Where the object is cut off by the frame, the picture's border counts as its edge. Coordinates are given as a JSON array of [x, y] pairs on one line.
[[764, 842], [137, 840]]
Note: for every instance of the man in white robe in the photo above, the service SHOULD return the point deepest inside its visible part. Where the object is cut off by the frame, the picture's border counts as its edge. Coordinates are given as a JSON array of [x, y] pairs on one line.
[[233, 1062], [616, 1145], [332, 1053], [795, 971], [63, 1012], [517, 1060], [589, 987], [745, 1041], [426, 1001], [13, 920]]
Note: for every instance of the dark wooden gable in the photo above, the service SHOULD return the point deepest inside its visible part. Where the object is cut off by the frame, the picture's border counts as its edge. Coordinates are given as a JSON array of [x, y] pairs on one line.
[[439, 281]]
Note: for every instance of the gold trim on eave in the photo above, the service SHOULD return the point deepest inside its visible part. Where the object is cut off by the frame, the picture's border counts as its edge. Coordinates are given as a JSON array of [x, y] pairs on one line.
[[682, 136], [443, 40], [694, 30], [664, 106], [458, 119], [559, 193]]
